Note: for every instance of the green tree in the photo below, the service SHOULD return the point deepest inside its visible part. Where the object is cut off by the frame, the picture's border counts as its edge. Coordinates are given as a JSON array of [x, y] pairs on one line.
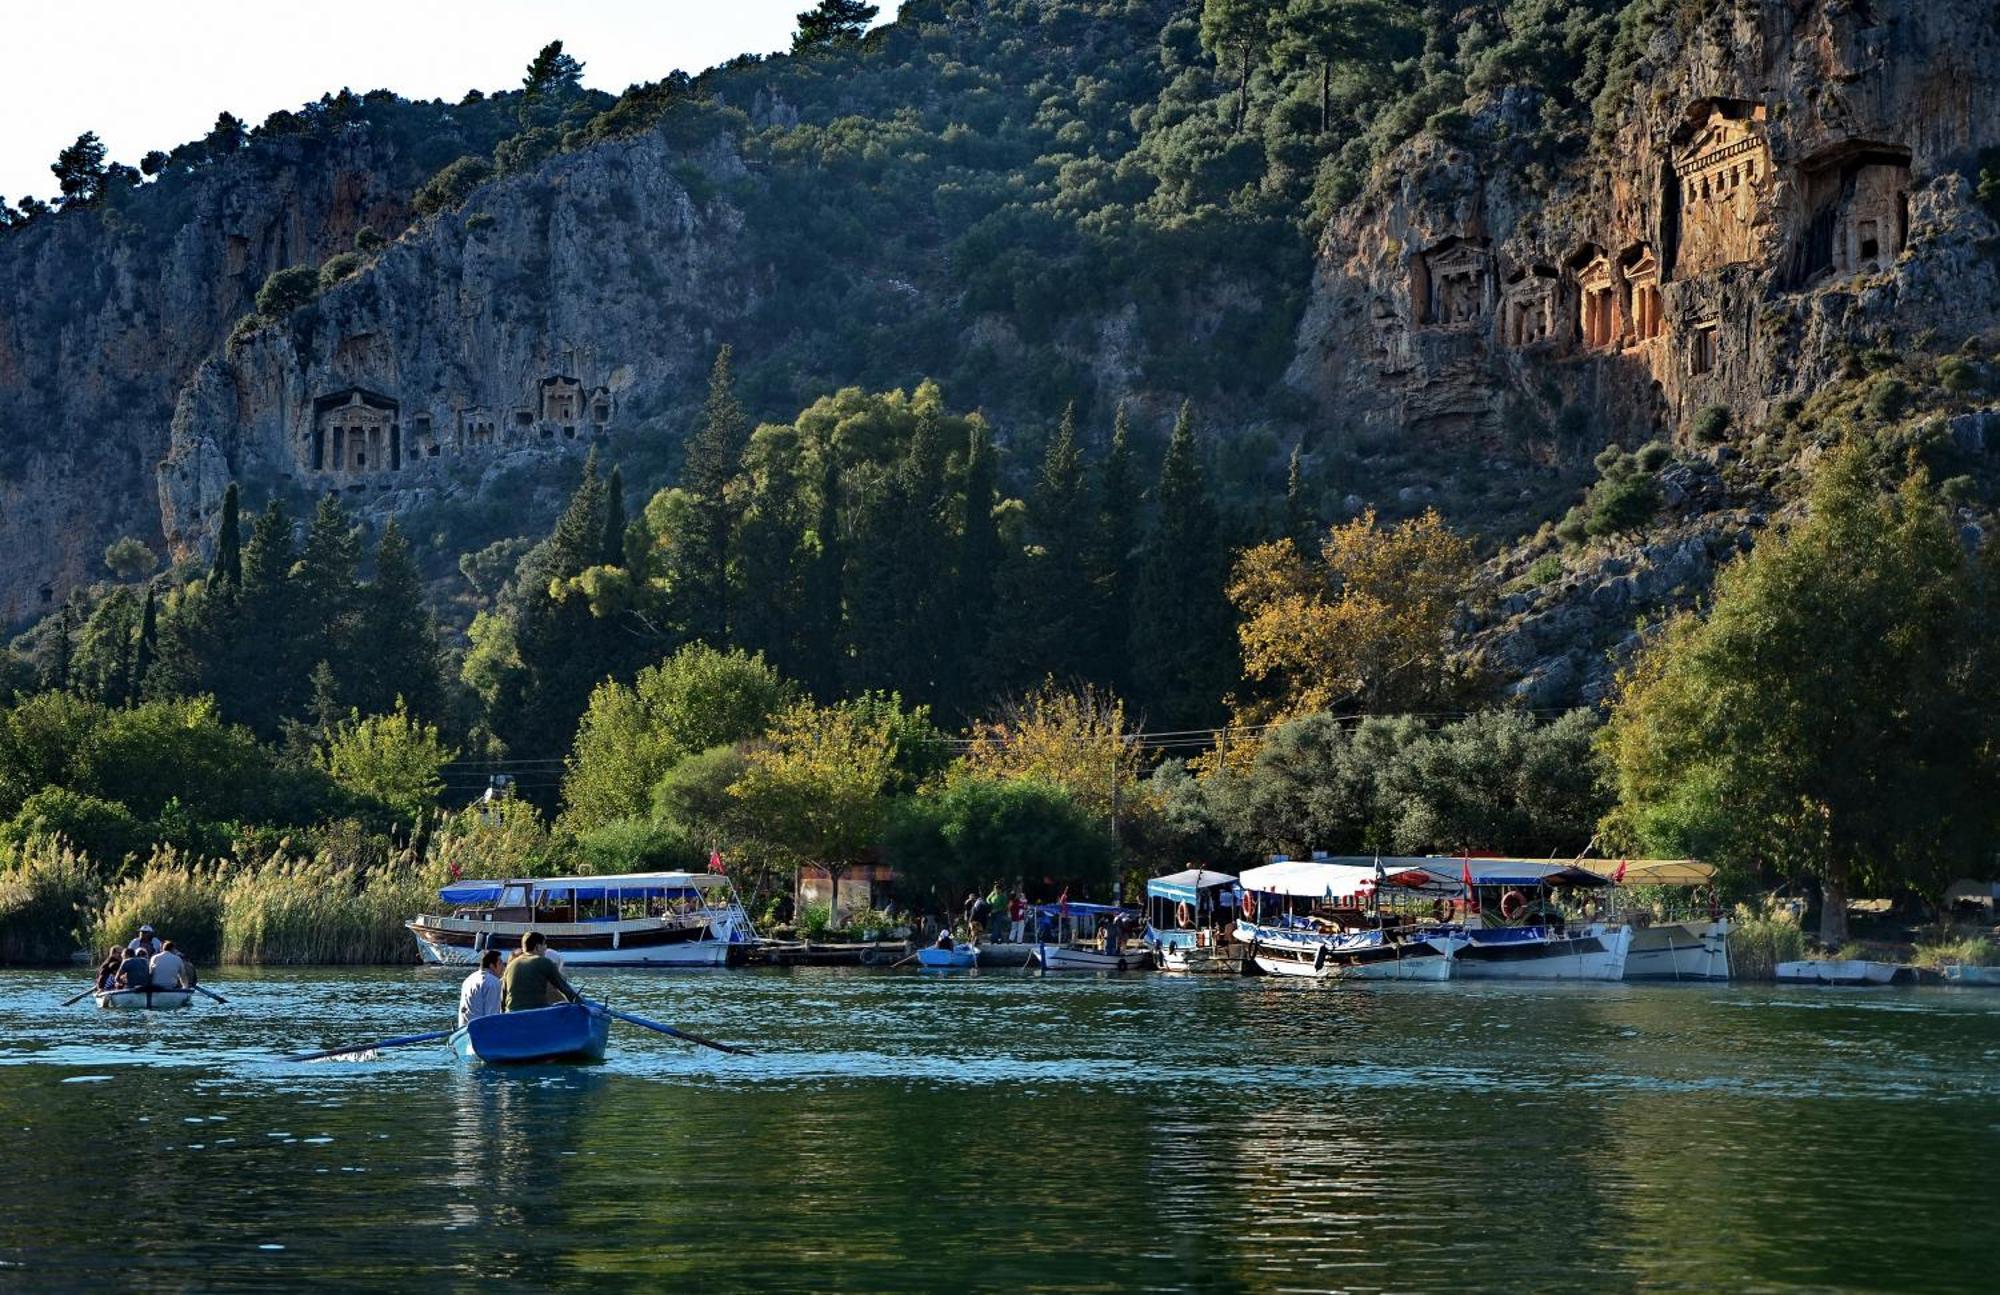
[[1182, 654], [228, 568], [129, 559], [611, 552], [1498, 781], [978, 567], [1834, 713], [630, 736], [398, 655], [1112, 560], [286, 290], [394, 758], [714, 458], [832, 23], [1046, 626], [973, 831], [552, 73], [451, 186], [79, 170], [148, 650], [1235, 30]]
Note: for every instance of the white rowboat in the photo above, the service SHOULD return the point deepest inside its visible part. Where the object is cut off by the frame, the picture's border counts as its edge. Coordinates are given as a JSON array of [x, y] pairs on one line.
[[157, 1000], [1836, 971]]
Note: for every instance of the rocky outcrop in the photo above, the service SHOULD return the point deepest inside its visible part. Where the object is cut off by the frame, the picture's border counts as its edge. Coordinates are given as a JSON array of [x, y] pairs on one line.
[[557, 309]]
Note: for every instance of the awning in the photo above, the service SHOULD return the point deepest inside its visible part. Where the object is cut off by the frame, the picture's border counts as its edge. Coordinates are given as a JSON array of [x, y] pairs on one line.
[[1311, 879], [1187, 886], [1652, 872], [630, 885]]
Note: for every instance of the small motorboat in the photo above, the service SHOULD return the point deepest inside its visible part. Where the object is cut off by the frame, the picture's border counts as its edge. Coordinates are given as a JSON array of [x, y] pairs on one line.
[[153, 1000], [957, 958], [565, 1032], [1836, 971], [1089, 937]]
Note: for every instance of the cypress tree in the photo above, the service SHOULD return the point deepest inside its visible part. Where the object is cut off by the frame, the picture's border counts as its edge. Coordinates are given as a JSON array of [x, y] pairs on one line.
[[1112, 560], [1298, 526], [612, 553], [1045, 608], [249, 658], [714, 458], [149, 643], [396, 626], [57, 679], [1183, 643], [978, 568], [228, 568], [768, 559], [825, 575]]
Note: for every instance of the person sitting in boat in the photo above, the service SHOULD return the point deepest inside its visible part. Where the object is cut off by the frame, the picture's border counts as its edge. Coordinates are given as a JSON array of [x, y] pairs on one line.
[[145, 942], [533, 979], [479, 993], [136, 971], [168, 969], [107, 972], [944, 940]]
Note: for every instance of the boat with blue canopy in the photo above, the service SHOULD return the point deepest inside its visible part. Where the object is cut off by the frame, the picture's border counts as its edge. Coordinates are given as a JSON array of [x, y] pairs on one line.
[[1088, 937], [1189, 918], [1527, 919], [1343, 920], [564, 1032], [645, 919]]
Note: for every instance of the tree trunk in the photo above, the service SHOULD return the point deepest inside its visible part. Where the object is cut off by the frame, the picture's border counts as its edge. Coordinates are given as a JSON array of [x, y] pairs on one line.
[[1326, 97], [1833, 905], [1243, 90]]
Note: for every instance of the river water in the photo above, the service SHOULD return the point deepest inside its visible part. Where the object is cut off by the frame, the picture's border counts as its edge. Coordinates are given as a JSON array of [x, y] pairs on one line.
[[1001, 1131]]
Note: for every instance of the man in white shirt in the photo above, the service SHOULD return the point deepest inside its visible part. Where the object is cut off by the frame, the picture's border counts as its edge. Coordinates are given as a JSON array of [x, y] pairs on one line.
[[480, 994], [169, 970], [145, 942]]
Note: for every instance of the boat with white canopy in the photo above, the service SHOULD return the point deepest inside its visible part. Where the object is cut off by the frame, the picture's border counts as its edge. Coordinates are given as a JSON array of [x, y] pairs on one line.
[[1189, 917], [1323, 919], [1682, 943], [645, 919], [1525, 919]]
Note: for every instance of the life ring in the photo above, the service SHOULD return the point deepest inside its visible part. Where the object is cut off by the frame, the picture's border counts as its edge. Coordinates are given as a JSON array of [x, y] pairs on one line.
[[1249, 906], [1319, 959], [1440, 909], [1183, 915], [1513, 904]]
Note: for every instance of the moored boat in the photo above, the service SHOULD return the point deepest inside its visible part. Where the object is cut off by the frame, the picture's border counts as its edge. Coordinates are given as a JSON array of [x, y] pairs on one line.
[[1087, 937], [1690, 950], [959, 957], [156, 1000], [653, 919], [1837, 971], [564, 1032], [1672, 937], [1527, 920], [1348, 920], [1189, 916], [1965, 974]]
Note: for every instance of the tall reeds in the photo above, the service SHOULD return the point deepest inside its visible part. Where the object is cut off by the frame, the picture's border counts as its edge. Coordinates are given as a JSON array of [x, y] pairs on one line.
[[47, 891], [1760, 939], [180, 897], [318, 911]]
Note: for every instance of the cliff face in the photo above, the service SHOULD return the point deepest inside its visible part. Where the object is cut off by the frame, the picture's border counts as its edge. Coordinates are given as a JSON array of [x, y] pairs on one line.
[[1783, 186], [557, 308], [105, 314]]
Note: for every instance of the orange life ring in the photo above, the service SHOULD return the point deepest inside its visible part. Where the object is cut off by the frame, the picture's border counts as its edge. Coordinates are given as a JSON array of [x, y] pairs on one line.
[[1250, 905], [1513, 904], [1440, 909], [1183, 915]]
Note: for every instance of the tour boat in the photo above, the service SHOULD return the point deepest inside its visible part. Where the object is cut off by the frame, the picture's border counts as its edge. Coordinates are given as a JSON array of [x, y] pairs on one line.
[[1523, 919], [1087, 937], [1188, 917], [1325, 920], [565, 1032], [1837, 971], [957, 958], [1691, 950], [646, 919], [156, 1000]]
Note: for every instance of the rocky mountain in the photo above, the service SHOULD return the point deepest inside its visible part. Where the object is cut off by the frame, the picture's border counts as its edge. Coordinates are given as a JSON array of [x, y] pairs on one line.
[[1765, 194]]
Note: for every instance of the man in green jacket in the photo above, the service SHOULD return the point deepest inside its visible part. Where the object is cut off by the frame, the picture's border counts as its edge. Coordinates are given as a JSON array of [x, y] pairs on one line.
[[533, 979]]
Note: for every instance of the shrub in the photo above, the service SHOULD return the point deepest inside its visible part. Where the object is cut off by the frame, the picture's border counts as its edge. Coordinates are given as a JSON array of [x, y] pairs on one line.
[[102, 829], [1652, 456], [286, 290], [633, 845], [479, 222], [1619, 504], [1958, 490], [451, 186], [1761, 939], [1711, 424], [1888, 398], [1971, 951], [367, 241], [47, 891], [338, 266], [1956, 373], [1545, 569], [1571, 530]]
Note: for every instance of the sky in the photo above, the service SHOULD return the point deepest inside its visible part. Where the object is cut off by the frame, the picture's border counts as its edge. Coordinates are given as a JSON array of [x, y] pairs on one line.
[[148, 74]]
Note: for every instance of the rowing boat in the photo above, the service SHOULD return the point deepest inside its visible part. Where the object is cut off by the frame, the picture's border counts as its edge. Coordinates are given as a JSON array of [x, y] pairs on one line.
[[958, 958], [156, 1000], [565, 1032]]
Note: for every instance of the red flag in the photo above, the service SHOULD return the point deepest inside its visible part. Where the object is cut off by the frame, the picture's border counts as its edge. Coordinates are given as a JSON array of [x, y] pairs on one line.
[[715, 861], [1619, 875], [455, 872], [1465, 875], [1062, 902]]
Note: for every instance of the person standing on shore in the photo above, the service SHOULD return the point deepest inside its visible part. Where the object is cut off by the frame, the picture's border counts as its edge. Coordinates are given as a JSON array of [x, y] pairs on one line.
[[533, 979], [481, 992], [1017, 916]]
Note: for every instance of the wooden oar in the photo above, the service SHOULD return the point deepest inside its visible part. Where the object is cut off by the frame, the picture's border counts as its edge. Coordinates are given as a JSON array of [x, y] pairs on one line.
[[674, 1033], [376, 1046], [894, 965], [80, 997], [204, 993]]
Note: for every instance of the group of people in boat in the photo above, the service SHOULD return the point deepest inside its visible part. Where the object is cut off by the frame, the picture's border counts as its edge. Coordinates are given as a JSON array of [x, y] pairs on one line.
[[531, 978], [147, 962]]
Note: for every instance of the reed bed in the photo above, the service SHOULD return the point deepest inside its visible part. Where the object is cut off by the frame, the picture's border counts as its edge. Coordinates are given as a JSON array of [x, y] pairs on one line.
[[1967, 951], [180, 897], [47, 891], [1760, 939], [317, 911]]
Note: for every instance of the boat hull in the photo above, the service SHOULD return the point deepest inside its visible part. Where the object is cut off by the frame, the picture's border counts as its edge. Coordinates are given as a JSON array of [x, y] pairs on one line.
[[1331, 959], [1061, 957], [145, 1000], [565, 1032], [450, 942], [1595, 952], [1960, 974], [1836, 971], [1226, 960], [1679, 951], [961, 958]]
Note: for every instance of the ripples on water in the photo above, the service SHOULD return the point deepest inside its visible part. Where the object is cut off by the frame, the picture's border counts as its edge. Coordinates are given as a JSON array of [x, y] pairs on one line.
[[1002, 1131]]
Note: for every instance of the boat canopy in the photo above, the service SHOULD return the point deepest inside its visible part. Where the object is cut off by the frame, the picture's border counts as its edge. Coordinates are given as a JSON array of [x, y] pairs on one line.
[[1451, 873], [629, 885], [1326, 879], [1187, 886], [1075, 909], [1651, 872]]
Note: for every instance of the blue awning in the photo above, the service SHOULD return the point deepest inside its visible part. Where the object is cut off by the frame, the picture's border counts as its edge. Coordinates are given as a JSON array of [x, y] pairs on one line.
[[1187, 886], [1075, 909], [563, 889]]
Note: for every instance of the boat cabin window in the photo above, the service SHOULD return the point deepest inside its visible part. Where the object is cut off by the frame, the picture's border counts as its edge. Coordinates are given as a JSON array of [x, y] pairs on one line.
[[513, 897]]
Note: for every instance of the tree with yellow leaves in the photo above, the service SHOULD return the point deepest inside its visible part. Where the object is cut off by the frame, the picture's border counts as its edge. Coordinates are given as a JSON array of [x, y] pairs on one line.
[[1073, 740], [1365, 624]]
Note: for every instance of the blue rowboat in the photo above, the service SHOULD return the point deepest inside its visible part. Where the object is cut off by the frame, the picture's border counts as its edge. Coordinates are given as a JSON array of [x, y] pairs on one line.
[[954, 959], [565, 1032]]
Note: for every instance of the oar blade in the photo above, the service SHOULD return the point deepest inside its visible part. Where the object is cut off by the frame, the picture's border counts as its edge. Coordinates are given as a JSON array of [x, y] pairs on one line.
[[376, 1046]]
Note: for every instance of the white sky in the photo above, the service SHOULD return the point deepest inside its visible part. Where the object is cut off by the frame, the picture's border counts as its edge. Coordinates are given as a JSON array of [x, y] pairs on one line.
[[148, 74]]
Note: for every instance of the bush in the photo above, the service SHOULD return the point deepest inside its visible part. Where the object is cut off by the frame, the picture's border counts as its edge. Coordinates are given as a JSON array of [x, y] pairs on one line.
[[1971, 951], [451, 186], [1888, 398], [338, 266], [632, 845], [1545, 569], [1958, 490], [479, 222], [1711, 424], [286, 290], [47, 892], [1652, 456], [102, 829], [1620, 504], [182, 899], [367, 241], [1956, 373], [1760, 940], [1571, 530]]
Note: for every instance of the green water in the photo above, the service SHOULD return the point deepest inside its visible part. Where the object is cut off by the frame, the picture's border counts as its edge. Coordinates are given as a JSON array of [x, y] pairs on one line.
[[911, 1132]]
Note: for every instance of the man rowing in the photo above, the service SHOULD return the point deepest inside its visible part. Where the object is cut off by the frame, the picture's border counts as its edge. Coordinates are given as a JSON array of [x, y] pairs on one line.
[[480, 994], [533, 979]]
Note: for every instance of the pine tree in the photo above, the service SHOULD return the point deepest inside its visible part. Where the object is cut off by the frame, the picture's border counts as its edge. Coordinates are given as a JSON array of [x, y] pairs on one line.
[[612, 552], [250, 647], [400, 635], [1042, 625], [149, 644], [1112, 569], [326, 586], [768, 570], [831, 23], [899, 568], [825, 576], [714, 458], [1183, 643], [978, 571], [228, 568]]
